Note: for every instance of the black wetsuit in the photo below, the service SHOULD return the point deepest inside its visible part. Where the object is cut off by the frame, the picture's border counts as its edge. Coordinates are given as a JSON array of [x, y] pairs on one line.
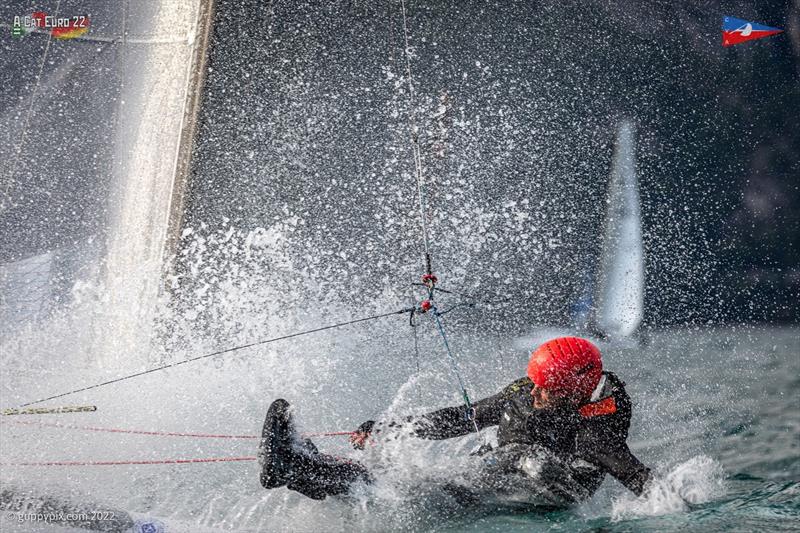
[[588, 442]]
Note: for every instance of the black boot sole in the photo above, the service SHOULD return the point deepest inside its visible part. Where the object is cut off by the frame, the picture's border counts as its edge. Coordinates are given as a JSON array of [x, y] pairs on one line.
[[275, 449]]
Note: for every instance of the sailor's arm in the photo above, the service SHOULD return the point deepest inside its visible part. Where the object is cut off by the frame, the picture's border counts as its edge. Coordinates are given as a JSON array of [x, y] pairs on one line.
[[453, 421], [618, 461], [442, 424]]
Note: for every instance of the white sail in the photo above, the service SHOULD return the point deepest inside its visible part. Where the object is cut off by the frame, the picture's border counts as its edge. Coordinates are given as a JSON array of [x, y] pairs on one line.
[[110, 213], [150, 164], [620, 296]]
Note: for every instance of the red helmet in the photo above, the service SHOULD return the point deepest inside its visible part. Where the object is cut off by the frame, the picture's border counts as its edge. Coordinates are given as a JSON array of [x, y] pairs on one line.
[[566, 365]]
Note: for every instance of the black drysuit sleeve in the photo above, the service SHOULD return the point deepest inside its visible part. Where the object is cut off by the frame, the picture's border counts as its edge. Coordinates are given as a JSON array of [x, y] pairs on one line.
[[603, 441], [452, 422], [616, 458]]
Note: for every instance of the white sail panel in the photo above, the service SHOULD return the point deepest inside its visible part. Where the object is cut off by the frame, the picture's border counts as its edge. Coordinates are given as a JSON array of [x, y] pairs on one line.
[[620, 299]]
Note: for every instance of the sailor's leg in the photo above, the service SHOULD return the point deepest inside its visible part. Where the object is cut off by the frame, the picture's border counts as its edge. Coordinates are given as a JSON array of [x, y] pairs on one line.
[[318, 475], [288, 460]]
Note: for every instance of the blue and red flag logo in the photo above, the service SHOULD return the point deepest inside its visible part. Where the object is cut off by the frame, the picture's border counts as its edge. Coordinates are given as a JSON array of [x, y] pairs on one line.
[[735, 31]]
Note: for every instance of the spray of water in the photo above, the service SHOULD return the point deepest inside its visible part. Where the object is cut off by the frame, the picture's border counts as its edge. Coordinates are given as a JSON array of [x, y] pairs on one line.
[[696, 481]]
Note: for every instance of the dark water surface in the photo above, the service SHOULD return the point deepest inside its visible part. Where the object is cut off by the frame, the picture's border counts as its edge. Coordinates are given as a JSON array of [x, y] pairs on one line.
[[715, 414], [728, 396]]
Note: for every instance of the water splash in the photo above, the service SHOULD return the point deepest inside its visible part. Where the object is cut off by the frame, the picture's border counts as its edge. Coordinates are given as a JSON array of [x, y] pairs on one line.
[[698, 480]]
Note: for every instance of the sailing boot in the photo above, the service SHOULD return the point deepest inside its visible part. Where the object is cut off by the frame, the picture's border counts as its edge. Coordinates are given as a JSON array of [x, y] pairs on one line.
[[275, 453]]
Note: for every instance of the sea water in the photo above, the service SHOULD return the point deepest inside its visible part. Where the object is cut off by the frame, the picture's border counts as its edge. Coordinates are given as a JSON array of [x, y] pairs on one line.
[[715, 415]]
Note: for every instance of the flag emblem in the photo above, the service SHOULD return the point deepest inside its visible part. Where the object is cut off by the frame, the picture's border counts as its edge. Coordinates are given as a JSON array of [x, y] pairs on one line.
[[74, 29], [735, 31]]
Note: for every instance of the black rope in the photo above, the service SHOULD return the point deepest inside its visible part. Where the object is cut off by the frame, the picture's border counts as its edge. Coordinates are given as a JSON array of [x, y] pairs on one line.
[[220, 352], [416, 340], [414, 326], [502, 298], [441, 313]]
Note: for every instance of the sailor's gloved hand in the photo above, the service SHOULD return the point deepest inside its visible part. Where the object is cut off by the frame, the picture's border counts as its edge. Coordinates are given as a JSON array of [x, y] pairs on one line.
[[360, 436]]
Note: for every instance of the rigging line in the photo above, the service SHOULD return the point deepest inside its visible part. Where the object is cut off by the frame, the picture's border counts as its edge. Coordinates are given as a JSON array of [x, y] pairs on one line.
[[164, 433], [416, 356], [132, 462], [28, 115], [470, 410], [415, 142], [219, 352], [503, 298], [416, 339], [129, 431], [470, 305], [453, 364]]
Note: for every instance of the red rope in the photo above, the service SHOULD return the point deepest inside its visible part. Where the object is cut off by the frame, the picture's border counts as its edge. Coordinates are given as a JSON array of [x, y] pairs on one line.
[[115, 463], [330, 434], [161, 433], [131, 431]]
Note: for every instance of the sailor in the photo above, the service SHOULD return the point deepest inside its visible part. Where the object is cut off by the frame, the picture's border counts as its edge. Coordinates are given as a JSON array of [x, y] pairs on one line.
[[567, 409]]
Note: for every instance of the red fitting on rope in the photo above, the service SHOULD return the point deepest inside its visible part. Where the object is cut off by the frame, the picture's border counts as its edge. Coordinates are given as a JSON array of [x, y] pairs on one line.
[[429, 280], [425, 306]]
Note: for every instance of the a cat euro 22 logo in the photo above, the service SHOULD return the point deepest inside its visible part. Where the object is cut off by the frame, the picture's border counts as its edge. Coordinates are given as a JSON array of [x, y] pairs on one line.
[[59, 27]]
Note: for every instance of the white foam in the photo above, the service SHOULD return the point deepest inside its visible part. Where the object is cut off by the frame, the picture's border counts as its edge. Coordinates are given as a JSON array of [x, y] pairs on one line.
[[698, 480]]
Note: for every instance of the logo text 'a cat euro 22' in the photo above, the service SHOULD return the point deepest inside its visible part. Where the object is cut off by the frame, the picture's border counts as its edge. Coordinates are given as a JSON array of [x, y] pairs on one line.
[[59, 27], [735, 31]]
